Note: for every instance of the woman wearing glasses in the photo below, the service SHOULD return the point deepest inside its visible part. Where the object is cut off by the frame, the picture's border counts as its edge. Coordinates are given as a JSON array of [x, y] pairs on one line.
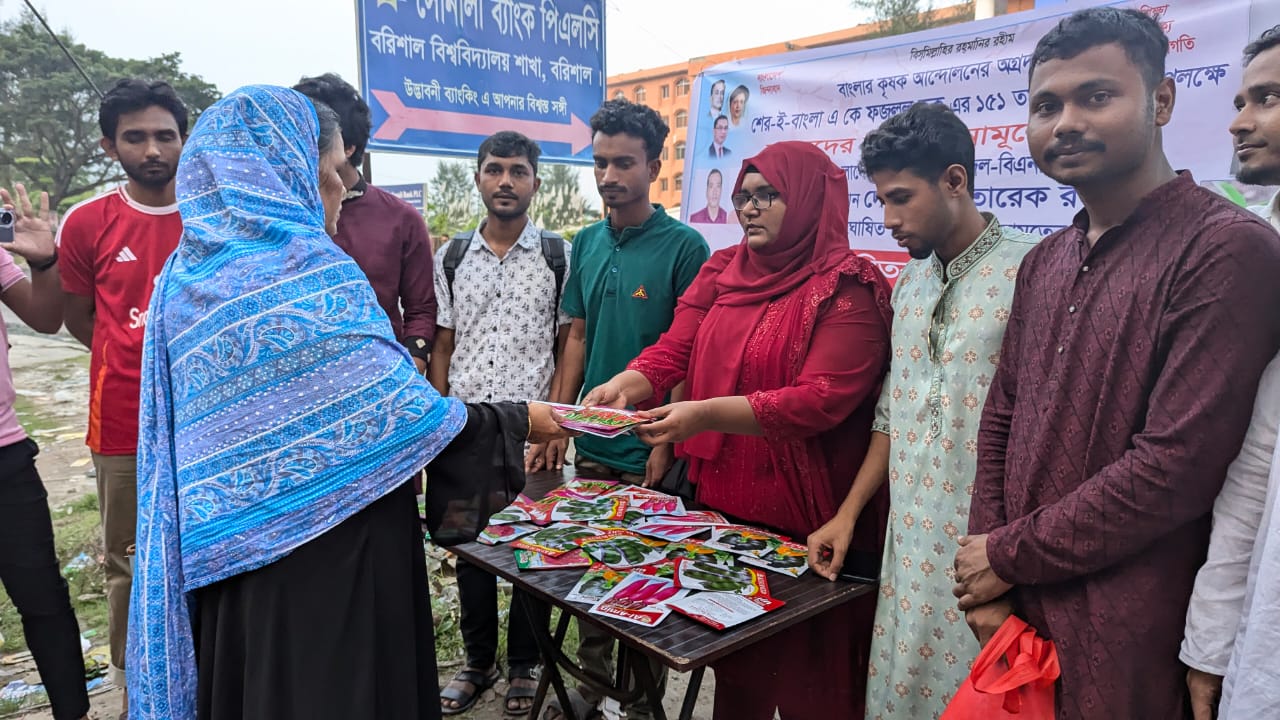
[[783, 341]]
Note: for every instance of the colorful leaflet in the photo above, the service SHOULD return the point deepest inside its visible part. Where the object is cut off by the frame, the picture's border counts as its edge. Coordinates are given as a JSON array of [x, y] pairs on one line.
[[605, 509]]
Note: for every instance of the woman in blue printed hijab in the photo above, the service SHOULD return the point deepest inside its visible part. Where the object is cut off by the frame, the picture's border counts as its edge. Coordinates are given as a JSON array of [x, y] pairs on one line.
[[279, 570]]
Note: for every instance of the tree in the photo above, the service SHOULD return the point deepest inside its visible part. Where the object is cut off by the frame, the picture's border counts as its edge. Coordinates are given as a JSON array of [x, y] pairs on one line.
[[559, 204], [453, 205], [49, 116], [904, 16]]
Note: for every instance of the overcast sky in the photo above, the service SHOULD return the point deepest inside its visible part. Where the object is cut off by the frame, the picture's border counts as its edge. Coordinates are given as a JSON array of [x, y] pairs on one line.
[[238, 42]]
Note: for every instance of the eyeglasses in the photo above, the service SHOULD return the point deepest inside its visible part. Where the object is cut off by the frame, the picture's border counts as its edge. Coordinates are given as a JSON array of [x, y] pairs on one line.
[[760, 200]]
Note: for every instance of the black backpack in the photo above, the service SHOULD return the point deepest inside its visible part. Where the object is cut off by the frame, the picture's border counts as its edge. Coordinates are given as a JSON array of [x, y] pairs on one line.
[[552, 252]]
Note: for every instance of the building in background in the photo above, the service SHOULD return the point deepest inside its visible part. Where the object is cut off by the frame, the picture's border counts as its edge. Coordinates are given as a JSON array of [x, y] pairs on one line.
[[667, 88]]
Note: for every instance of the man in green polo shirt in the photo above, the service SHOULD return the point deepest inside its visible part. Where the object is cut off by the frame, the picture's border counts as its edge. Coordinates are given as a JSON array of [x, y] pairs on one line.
[[629, 270]]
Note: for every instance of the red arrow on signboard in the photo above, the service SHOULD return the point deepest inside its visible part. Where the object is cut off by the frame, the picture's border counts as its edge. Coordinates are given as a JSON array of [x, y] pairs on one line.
[[400, 118]]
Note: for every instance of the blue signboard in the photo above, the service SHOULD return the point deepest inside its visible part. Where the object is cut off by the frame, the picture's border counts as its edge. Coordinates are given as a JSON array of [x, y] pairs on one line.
[[415, 194], [441, 75]]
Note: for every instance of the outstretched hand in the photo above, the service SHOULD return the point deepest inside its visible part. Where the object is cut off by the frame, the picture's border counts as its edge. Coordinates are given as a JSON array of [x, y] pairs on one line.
[[545, 424]]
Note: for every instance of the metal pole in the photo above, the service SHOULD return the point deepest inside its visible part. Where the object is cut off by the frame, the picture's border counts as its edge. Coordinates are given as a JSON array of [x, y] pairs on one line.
[[65, 51]]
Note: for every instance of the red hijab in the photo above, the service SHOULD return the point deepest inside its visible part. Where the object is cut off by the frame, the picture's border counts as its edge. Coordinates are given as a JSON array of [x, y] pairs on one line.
[[812, 241]]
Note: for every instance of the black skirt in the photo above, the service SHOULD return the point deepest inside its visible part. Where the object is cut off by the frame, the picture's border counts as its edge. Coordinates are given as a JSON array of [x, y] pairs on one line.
[[340, 628]]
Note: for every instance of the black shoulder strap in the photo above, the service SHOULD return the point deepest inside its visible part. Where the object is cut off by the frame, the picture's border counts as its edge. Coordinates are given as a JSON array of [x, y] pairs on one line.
[[553, 253], [453, 257]]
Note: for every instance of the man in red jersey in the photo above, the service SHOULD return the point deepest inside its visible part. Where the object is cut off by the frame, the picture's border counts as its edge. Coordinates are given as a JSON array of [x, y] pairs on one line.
[[112, 247]]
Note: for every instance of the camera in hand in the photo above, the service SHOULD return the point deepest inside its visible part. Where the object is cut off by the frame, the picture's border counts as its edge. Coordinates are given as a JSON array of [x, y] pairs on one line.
[[6, 225]]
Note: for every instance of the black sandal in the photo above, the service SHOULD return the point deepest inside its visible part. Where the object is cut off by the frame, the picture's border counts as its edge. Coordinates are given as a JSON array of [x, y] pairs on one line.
[[479, 681], [514, 692]]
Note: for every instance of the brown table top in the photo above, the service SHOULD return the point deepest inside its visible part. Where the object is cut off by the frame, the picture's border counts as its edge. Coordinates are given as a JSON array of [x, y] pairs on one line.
[[678, 642]]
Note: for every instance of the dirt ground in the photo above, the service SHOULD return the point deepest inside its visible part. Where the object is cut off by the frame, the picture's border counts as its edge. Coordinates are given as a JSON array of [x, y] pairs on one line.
[[51, 377]]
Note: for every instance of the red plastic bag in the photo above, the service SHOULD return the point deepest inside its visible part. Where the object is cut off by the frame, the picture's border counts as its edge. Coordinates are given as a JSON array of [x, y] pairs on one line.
[[1012, 677]]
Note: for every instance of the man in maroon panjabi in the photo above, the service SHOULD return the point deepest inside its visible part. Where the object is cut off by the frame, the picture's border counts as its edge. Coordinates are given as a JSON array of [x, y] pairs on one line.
[[1126, 378]]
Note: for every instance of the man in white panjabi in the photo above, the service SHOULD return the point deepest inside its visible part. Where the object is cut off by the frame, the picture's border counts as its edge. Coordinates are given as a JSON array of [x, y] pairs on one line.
[[1232, 636]]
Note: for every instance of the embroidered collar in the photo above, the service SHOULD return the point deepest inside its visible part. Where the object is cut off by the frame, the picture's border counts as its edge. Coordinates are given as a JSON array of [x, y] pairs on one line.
[[978, 249]]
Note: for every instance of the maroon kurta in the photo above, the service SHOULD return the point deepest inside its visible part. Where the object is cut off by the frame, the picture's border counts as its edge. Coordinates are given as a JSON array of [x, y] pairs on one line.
[[388, 239], [1124, 388]]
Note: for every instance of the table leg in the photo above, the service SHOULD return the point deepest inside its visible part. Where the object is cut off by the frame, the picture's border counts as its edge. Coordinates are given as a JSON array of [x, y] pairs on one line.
[[550, 666], [644, 678], [691, 694]]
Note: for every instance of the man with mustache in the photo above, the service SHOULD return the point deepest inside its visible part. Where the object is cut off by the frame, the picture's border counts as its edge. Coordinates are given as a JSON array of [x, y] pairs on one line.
[[1231, 644], [1133, 352], [497, 333], [111, 249], [629, 269], [951, 304]]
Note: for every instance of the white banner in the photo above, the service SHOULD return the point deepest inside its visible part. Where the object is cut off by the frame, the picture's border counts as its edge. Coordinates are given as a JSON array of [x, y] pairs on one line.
[[834, 96]]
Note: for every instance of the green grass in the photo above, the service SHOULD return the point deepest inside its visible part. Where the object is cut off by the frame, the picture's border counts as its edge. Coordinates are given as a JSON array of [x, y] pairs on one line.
[[33, 420]]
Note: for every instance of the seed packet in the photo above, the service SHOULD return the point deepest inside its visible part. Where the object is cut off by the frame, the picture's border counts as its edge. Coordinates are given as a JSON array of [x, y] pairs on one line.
[[584, 489], [724, 610], [699, 551], [650, 502], [695, 517], [639, 599], [530, 560], [495, 534], [539, 511], [708, 576], [603, 509], [623, 549], [594, 583], [629, 520], [742, 540], [599, 421], [790, 558], [671, 532], [509, 514], [555, 540]]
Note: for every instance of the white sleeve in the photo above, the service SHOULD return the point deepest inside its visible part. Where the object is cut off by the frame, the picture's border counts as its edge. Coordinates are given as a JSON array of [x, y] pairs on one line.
[[444, 301], [1218, 598]]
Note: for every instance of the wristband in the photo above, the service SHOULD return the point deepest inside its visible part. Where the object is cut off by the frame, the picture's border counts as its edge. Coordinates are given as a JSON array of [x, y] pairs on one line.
[[41, 267]]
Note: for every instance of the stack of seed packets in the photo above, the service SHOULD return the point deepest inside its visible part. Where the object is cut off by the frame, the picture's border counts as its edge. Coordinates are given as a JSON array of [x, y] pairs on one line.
[[598, 421]]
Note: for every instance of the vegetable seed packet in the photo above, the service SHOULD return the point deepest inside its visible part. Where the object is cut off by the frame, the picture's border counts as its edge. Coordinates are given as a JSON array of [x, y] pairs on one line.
[[639, 599], [651, 502], [495, 534], [696, 517], [699, 551], [789, 558], [724, 610], [743, 540], [530, 560], [594, 583], [556, 539], [599, 421], [629, 520], [623, 549], [586, 489], [509, 514], [708, 576], [539, 511], [604, 509], [669, 531]]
